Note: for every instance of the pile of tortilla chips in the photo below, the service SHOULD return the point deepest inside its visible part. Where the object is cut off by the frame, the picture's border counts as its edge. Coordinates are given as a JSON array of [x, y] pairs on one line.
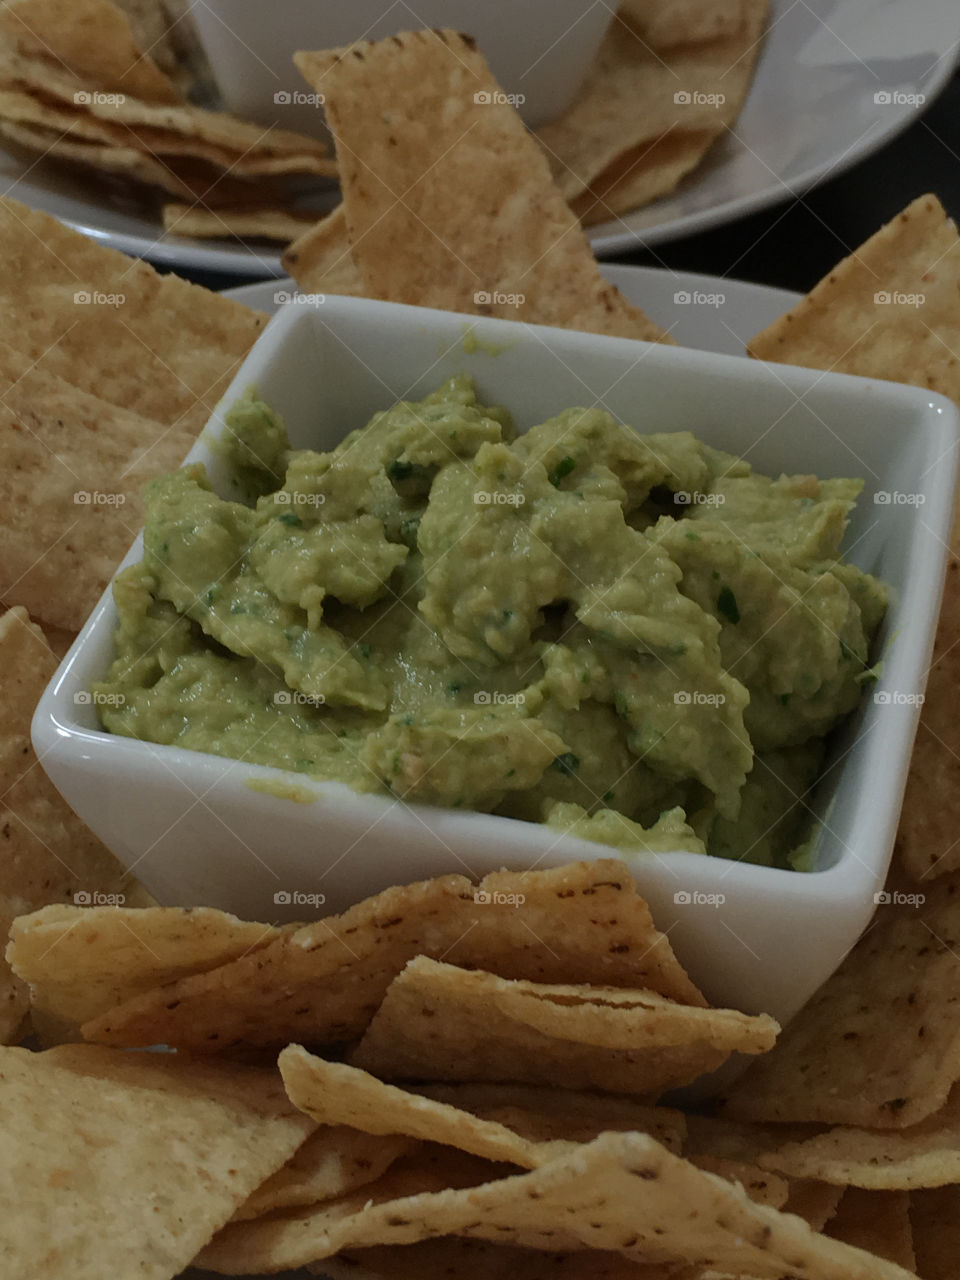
[[76, 86], [97, 84], [444, 1076]]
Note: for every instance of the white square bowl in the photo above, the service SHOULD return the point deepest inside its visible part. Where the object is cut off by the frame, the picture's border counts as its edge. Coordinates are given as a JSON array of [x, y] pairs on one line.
[[756, 938]]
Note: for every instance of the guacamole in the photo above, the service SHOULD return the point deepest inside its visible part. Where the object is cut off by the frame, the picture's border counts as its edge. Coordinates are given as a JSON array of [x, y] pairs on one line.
[[630, 637]]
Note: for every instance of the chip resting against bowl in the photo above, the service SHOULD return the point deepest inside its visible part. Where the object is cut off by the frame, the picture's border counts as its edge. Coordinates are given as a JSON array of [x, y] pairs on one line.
[[482, 226]]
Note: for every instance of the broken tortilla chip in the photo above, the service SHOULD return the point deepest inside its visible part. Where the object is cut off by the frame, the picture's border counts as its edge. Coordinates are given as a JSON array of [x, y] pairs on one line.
[[323, 983], [434, 158], [112, 1156], [640, 175], [46, 853], [439, 1022], [81, 961], [621, 1192], [894, 1003]]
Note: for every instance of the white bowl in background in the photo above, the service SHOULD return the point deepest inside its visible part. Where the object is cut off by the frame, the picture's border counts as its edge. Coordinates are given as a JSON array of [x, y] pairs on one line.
[[195, 833], [538, 49]]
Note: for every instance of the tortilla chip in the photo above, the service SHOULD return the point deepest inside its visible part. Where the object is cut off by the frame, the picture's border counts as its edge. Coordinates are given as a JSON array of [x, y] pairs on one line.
[[665, 23], [333, 1162], [634, 97], [173, 346], [878, 1046], [114, 1164], [321, 260], [283, 225], [453, 1258], [878, 1221], [866, 316], [324, 983], [928, 839], [621, 1192], [81, 961], [544, 1114], [91, 38], [71, 470], [438, 1022], [336, 1094], [432, 157], [935, 1220], [46, 853], [925, 1155], [641, 175]]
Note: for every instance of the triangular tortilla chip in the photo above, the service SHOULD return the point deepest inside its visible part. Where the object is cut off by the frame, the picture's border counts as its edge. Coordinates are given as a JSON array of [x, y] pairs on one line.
[[440, 1022], [621, 1192], [324, 983], [125, 1164], [434, 161]]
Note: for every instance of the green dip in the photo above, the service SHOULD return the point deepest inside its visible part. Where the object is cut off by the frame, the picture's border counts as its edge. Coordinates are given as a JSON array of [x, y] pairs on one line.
[[633, 638]]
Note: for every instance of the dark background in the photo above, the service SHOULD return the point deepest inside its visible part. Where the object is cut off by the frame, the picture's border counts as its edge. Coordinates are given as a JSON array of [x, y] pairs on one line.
[[795, 243]]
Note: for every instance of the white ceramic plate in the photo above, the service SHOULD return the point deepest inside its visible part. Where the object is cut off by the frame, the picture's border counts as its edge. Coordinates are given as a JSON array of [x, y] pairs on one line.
[[810, 115]]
